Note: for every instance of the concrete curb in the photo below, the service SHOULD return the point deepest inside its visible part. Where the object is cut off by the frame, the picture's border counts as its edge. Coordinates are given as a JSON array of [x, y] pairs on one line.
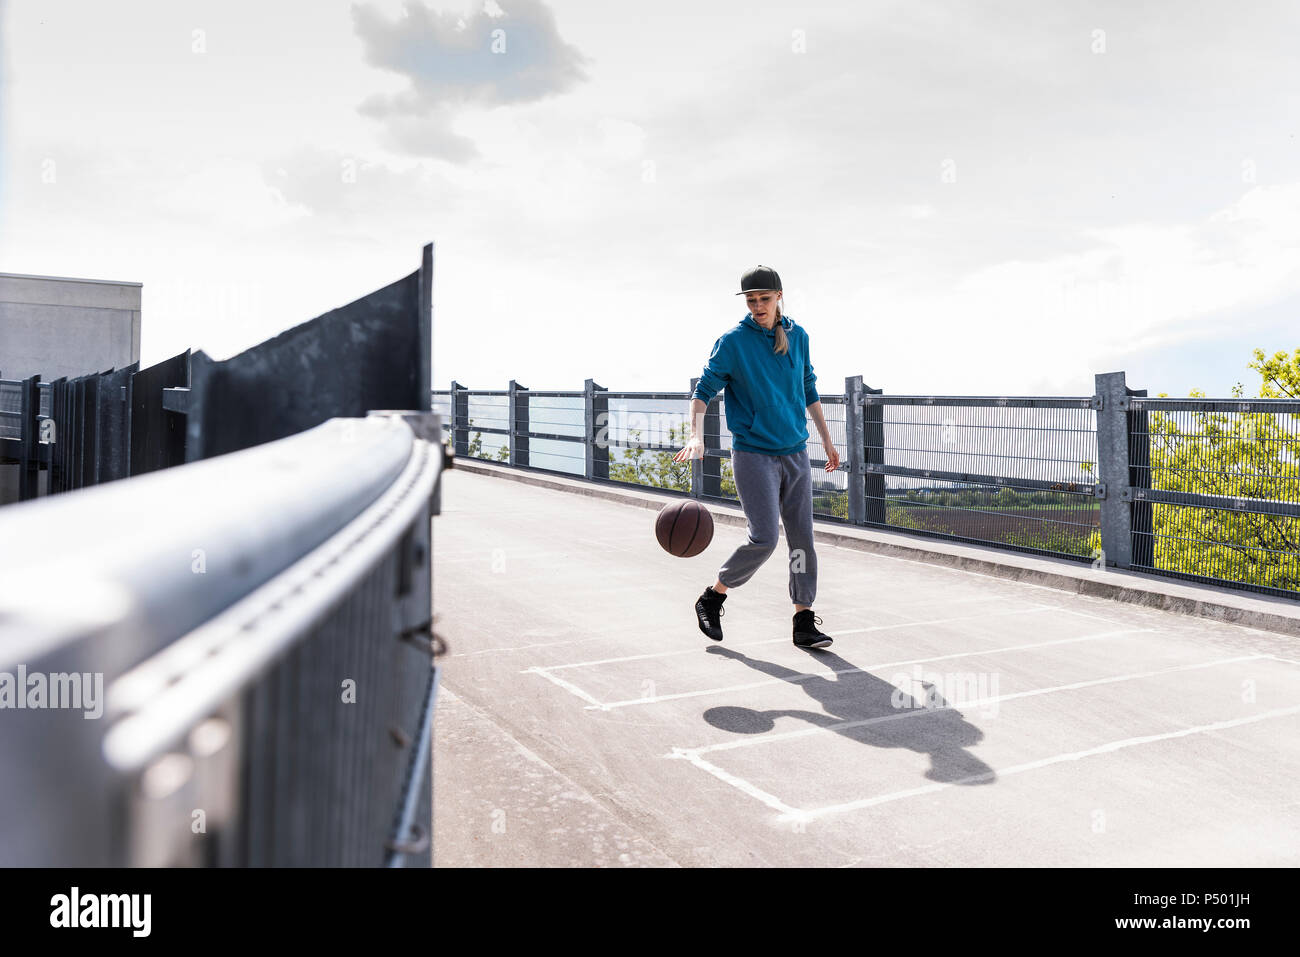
[[1205, 601]]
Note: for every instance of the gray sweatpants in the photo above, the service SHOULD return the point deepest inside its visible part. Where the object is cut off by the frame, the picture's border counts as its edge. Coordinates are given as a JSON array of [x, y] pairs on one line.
[[770, 486]]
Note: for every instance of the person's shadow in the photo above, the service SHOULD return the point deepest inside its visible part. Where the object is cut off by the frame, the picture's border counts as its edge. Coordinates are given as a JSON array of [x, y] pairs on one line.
[[890, 716]]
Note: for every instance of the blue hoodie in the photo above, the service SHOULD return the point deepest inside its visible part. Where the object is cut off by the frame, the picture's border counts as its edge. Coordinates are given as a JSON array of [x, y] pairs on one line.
[[767, 394]]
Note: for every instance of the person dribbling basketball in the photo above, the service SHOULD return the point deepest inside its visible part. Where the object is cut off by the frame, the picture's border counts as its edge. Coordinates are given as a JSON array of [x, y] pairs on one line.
[[763, 364]]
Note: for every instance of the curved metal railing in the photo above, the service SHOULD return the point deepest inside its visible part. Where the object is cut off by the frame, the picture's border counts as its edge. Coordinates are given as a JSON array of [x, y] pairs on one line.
[[249, 640]]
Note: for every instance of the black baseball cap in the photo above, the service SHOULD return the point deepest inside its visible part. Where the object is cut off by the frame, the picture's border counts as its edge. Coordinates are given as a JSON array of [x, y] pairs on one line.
[[759, 279]]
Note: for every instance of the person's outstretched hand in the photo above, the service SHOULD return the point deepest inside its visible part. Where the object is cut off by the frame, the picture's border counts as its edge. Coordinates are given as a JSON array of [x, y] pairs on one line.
[[694, 449], [832, 456]]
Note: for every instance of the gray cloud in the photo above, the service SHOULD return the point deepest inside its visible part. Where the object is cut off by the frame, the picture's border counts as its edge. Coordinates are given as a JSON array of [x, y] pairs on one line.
[[491, 58]]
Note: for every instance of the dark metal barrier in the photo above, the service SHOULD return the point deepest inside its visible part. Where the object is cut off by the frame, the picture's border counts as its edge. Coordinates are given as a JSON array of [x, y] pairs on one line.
[[373, 353]]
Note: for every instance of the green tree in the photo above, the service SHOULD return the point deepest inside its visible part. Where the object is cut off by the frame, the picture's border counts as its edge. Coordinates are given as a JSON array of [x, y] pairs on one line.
[[1281, 375]]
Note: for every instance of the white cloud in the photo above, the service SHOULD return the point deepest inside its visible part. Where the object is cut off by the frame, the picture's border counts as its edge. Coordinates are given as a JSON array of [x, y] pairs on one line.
[[230, 194], [1140, 285], [621, 139]]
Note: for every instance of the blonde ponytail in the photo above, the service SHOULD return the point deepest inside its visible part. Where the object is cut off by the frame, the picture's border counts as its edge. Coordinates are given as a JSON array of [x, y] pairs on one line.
[[782, 345]]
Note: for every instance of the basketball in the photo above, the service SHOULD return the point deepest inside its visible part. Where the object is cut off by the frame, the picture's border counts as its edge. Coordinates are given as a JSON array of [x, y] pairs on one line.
[[684, 529]]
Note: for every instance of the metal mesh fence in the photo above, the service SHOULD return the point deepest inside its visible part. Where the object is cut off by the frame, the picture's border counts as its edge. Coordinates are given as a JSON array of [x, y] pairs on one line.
[[1017, 473], [1217, 490]]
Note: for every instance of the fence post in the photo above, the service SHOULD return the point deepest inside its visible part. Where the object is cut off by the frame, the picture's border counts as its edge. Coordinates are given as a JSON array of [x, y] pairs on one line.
[[1139, 477], [29, 467], [118, 429], [84, 402], [1113, 469], [425, 326], [459, 419], [873, 450], [54, 476], [596, 429], [69, 434], [99, 427], [711, 464], [697, 465], [519, 427], [855, 446]]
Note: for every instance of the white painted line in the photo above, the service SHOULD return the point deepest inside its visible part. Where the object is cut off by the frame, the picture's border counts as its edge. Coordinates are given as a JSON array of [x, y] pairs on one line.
[[736, 782], [772, 641], [868, 668], [1289, 661], [677, 628], [920, 712], [813, 813], [567, 686], [540, 644], [653, 654], [1084, 614], [941, 621]]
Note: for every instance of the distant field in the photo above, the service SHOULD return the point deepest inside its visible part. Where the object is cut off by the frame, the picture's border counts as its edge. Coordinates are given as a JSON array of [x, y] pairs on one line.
[[1062, 528]]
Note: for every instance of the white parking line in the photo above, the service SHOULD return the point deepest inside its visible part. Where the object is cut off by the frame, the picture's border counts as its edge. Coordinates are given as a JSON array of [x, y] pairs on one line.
[[813, 813], [868, 668], [973, 702], [772, 641], [788, 813], [737, 782], [572, 688], [893, 610]]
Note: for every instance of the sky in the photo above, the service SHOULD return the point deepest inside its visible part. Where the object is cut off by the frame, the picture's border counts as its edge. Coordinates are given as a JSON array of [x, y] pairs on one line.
[[994, 198]]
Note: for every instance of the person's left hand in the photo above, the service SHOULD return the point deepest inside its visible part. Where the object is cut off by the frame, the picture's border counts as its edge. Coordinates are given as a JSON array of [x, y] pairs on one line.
[[832, 456]]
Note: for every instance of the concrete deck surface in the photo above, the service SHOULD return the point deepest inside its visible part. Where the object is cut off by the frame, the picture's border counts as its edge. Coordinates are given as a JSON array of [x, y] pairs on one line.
[[959, 719]]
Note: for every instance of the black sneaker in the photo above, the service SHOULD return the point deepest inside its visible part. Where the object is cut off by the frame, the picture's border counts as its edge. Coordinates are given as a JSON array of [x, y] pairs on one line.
[[708, 609], [806, 634]]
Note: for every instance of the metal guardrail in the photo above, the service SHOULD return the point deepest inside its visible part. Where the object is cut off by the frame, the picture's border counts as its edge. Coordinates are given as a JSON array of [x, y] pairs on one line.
[[1112, 479], [249, 616], [260, 625]]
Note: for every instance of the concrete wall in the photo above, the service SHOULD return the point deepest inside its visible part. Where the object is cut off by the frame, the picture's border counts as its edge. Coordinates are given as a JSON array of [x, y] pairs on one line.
[[69, 327]]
